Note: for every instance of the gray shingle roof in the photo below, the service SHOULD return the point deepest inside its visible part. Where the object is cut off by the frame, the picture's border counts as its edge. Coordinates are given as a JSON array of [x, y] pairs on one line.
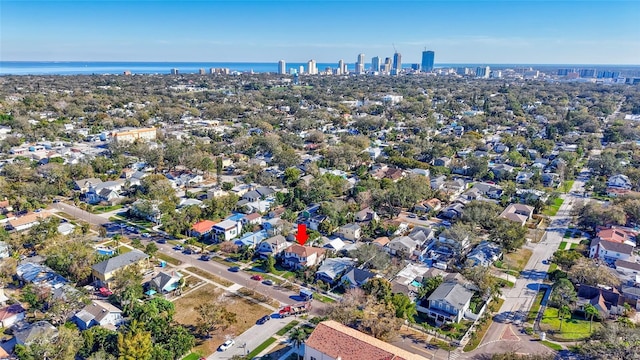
[[119, 261], [453, 293]]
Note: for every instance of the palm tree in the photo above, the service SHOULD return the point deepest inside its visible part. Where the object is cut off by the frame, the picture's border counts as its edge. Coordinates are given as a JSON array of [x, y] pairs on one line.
[[563, 311], [590, 311], [297, 337]]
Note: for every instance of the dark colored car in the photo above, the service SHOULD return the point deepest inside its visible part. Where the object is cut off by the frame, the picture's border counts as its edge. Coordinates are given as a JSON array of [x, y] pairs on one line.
[[188, 251], [263, 319], [234, 269], [162, 241], [257, 277], [268, 282], [205, 257]]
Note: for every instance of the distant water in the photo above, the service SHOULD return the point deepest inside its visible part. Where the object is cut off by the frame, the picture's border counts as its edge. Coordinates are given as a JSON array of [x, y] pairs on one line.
[[99, 67]]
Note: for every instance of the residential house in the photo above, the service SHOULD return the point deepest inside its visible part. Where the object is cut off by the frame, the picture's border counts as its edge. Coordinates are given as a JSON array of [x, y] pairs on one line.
[[105, 195], [454, 187], [428, 206], [550, 180], [490, 191], [98, 313], [619, 182], [627, 268], [104, 271], [442, 161], [405, 246], [447, 303], [502, 171], [331, 340], [456, 239], [607, 302], [453, 211], [166, 282], [617, 235], [350, 231], [381, 242], [518, 213], [316, 220], [12, 314], [332, 269], [610, 251], [215, 192], [26, 334], [83, 185], [146, 209], [252, 239], [273, 246], [203, 229], [27, 221], [66, 228], [356, 277], [437, 183], [523, 177], [298, 256], [227, 229], [253, 219], [366, 215], [484, 254], [408, 280]]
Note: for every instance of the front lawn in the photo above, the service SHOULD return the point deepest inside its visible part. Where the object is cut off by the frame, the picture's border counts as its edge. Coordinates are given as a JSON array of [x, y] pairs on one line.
[[482, 327], [563, 245], [535, 307], [517, 260], [552, 210], [574, 328], [260, 348], [167, 258], [207, 275], [98, 209]]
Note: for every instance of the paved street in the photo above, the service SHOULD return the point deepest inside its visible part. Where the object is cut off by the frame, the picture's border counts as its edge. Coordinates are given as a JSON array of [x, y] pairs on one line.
[[504, 334], [253, 337], [78, 213]]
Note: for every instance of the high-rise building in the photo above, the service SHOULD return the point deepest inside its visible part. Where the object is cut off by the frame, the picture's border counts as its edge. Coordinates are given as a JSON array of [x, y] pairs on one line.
[[483, 71], [282, 67], [587, 73], [341, 67], [312, 68], [397, 64], [202, 71], [375, 64], [428, 58], [387, 65], [174, 71], [360, 64]]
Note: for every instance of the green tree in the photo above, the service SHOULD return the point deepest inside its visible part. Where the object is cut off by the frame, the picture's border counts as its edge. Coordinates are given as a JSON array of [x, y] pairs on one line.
[[151, 249], [213, 316], [405, 308], [135, 343], [563, 312], [379, 288], [297, 337], [563, 293], [270, 263], [590, 312]]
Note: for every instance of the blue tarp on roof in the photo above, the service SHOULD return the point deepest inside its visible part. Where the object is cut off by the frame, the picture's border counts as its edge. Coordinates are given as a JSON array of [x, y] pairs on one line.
[[251, 239], [39, 274]]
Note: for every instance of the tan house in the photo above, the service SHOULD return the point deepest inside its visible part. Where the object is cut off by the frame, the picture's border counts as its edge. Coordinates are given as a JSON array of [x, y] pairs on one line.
[[519, 213], [297, 256], [24, 222], [104, 271]]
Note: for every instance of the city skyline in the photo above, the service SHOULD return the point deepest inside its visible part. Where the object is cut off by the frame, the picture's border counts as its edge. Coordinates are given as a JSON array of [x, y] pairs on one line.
[[488, 32]]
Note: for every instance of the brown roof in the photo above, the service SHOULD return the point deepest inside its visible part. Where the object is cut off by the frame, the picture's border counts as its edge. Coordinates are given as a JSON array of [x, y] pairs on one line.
[[339, 341], [381, 241], [253, 216], [11, 310], [612, 235], [4, 204], [29, 218], [304, 251]]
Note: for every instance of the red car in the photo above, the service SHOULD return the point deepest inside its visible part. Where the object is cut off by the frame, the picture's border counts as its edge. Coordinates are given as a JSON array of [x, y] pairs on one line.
[[105, 292], [257, 278]]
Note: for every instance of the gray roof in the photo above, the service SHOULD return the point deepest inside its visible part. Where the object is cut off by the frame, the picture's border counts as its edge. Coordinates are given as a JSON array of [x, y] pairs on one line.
[[453, 293], [332, 267], [119, 261], [613, 246], [31, 331], [628, 265], [97, 311]]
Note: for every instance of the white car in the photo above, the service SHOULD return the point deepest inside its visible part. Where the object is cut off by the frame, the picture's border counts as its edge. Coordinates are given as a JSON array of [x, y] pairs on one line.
[[227, 344]]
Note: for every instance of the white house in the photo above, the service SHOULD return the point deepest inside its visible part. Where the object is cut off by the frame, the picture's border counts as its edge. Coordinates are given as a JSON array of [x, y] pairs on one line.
[[350, 231], [273, 246], [227, 230], [98, 313], [11, 314], [610, 251], [619, 182]]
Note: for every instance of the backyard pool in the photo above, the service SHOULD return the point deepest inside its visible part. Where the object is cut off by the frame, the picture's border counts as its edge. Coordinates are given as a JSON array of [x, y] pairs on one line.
[[103, 251]]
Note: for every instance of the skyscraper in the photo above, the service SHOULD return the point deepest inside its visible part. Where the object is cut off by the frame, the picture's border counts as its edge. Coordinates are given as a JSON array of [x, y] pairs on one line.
[[282, 67], [483, 72], [341, 67], [375, 64], [311, 67], [387, 65], [427, 60], [397, 64], [360, 64]]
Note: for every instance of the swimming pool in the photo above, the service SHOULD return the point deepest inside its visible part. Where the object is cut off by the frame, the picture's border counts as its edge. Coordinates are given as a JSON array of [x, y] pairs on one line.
[[416, 283], [103, 251]]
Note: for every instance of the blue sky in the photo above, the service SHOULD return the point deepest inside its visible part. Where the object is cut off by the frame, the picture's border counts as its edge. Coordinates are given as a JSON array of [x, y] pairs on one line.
[[551, 32]]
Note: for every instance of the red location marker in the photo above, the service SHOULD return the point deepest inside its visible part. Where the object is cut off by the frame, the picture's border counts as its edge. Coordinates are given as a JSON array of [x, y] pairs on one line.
[[302, 236]]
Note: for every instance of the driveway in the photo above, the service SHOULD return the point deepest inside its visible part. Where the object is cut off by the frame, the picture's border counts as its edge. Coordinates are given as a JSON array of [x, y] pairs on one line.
[[253, 337]]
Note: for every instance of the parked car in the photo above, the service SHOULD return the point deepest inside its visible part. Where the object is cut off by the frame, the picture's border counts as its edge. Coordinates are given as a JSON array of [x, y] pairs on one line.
[[268, 282], [105, 292], [257, 277], [227, 344], [146, 235], [178, 248], [264, 319], [205, 257], [412, 215], [234, 269], [162, 241], [188, 251]]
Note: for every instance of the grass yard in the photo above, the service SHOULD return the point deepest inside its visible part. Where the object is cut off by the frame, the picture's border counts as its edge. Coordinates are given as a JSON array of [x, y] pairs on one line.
[[104, 209], [552, 209], [288, 327], [260, 348], [123, 249], [192, 356], [552, 346], [563, 245], [575, 328], [246, 311], [567, 185], [517, 260], [481, 330], [210, 276], [167, 258], [535, 307]]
